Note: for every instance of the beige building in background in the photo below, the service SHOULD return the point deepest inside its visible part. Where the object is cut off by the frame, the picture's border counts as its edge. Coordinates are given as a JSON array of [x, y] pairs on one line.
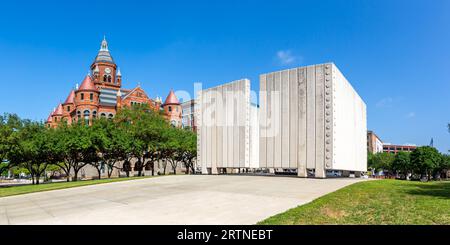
[[374, 143]]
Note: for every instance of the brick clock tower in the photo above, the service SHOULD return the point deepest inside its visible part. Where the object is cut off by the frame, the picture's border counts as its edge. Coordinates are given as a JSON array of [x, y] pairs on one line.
[[104, 69], [101, 95]]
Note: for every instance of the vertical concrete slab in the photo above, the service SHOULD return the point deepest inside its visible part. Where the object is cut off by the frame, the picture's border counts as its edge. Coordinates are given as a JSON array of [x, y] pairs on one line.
[[277, 149], [208, 121], [220, 138], [230, 123], [246, 85], [271, 126], [293, 118], [329, 144], [285, 119], [311, 117], [236, 126], [242, 116], [320, 122], [224, 129], [302, 122], [201, 133], [214, 140], [263, 122]]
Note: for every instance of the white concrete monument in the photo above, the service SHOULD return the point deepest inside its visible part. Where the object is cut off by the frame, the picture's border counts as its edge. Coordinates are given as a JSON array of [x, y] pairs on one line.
[[311, 118], [224, 132]]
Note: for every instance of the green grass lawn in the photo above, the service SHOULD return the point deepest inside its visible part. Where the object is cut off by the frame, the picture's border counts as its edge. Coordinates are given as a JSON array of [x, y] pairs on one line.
[[24, 189], [374, 202]]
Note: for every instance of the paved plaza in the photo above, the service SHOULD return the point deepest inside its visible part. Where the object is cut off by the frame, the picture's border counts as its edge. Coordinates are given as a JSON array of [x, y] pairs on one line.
[[197, 199]]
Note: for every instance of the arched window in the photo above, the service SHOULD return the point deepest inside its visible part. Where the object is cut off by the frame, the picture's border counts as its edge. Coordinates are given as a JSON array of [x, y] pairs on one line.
[[109, 79], [79, 114], [105, 78], [110, 116], [86, 115], [170, 108], [94, 114], [103, 115]]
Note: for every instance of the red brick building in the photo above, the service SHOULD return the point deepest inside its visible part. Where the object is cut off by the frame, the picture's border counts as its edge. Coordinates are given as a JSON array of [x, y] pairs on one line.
[[172, 109], [390, 148], [101, 95]]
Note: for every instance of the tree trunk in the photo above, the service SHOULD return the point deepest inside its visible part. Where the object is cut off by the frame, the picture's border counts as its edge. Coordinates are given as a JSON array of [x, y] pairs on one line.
[[153, 169], [99, 171], [110, 170], [37, 179], [75, 175]]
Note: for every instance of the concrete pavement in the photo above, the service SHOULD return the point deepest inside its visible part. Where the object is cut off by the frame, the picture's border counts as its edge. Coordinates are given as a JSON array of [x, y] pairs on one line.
[[198, 199]]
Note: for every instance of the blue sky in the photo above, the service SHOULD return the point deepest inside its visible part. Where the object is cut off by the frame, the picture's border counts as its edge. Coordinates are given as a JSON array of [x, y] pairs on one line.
[[396, 54]]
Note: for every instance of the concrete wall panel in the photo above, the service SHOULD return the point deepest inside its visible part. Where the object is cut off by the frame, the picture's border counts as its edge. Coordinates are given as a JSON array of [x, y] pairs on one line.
[[302, 122], [320, 122], [263, 122], [293, 119], [311, 117], [277, 120], [285, 119], [271, 120]]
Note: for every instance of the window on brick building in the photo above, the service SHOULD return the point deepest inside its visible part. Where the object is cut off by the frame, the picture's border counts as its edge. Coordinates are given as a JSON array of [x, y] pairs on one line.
[[170, 108], [91, 96], [86, 115], [109, 79], [105, 78], [68, 108], [82, 96]]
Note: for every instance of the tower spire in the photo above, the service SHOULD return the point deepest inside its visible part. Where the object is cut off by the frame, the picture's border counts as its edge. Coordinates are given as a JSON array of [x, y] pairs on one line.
[[104, 46]]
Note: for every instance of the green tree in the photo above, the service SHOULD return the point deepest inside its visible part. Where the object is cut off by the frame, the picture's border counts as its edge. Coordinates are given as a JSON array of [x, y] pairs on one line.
[[172, 148], [188, 149], [113, 142], [77, 148], [425, 160], [10, 124], [34, 150], [383, 161], [444, 166], [402, 164], [146, 128]]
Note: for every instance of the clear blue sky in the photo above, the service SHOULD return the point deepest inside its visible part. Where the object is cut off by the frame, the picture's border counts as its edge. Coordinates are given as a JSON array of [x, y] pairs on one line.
[[395, 53]]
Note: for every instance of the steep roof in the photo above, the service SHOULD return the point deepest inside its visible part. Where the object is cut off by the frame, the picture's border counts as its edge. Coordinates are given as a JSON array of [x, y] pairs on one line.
[[104, 55], [71, 98], [87, 84], [58, 111], [171, 99], [49, 118]]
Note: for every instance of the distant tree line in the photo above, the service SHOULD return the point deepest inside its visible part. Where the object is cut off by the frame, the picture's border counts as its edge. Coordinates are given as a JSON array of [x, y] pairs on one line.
[[423, 162], [136, 134]]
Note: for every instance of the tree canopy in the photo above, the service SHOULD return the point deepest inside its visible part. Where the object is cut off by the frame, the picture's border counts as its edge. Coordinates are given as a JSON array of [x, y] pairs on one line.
[[136, 134]]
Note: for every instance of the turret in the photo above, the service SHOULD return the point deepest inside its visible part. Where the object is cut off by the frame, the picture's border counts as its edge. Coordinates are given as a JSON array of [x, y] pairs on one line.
[[172, 109]]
